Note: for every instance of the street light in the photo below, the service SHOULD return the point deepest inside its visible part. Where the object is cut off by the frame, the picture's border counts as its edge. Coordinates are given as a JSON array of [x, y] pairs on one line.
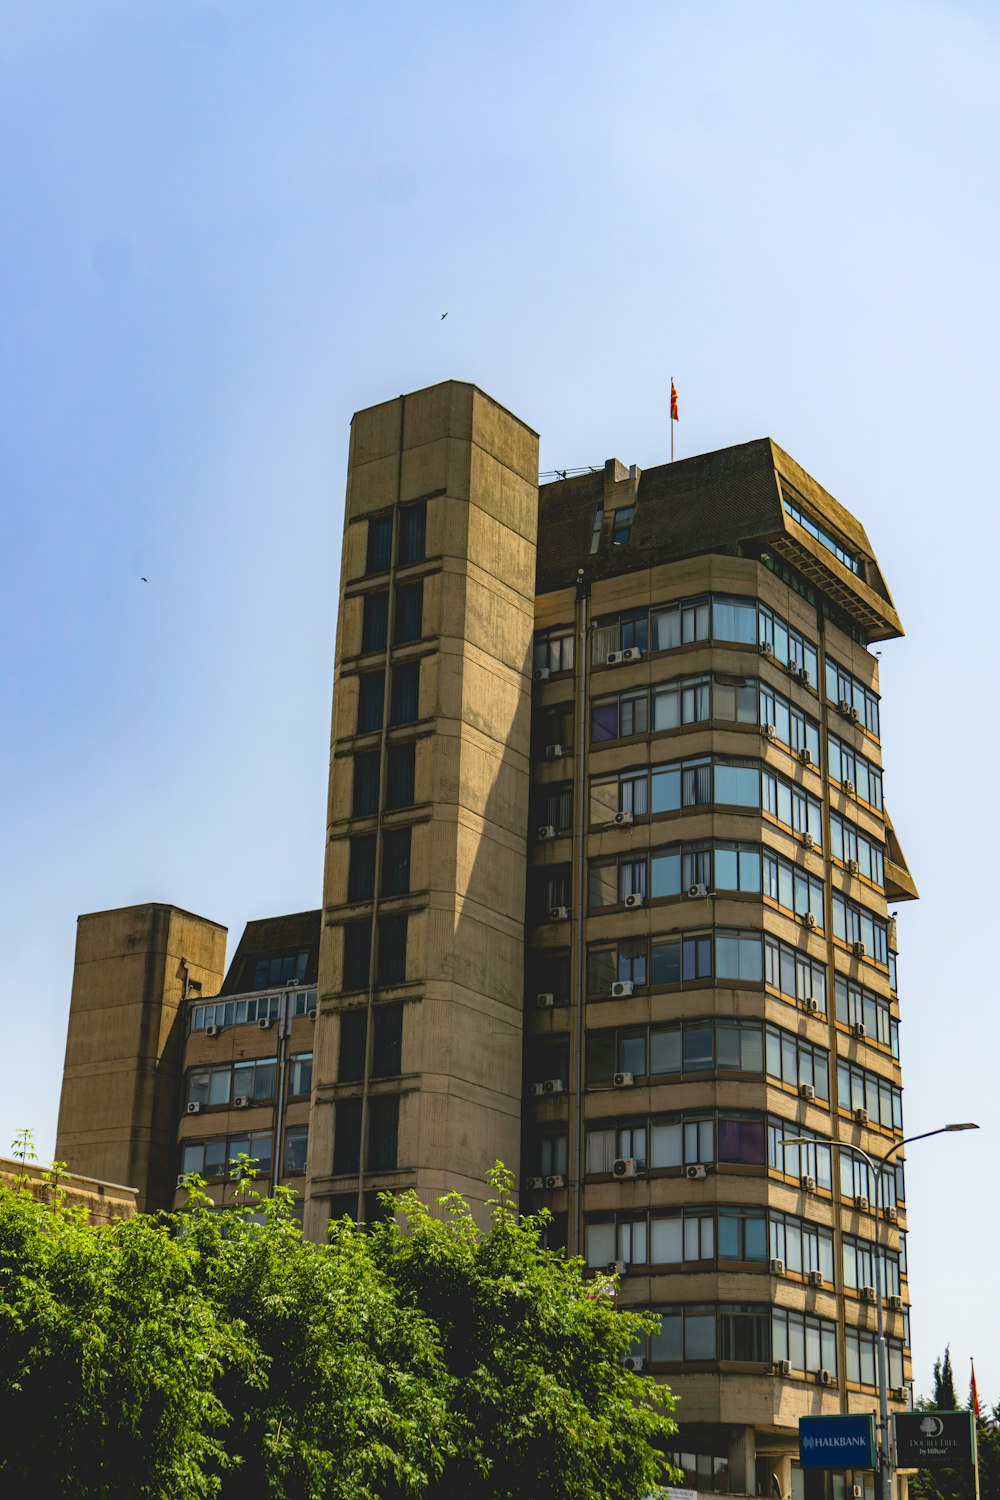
[[876, 1167]]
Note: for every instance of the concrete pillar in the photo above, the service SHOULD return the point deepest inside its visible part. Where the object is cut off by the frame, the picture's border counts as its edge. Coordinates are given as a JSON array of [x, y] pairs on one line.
[[742, 1461]]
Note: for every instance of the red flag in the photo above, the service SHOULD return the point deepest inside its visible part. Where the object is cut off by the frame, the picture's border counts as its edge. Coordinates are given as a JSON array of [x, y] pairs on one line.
[[973, 1392], [673, 402]]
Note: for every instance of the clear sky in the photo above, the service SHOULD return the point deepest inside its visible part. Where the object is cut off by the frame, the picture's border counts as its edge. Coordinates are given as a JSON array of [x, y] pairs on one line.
[[227, 226]]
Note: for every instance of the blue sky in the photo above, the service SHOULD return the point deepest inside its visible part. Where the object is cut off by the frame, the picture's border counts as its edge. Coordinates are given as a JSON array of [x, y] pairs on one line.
[[229, 226]]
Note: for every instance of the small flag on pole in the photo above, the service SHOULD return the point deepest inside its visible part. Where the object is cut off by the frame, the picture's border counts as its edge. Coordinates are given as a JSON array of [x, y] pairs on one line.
[[973, 1391], [674, 417]]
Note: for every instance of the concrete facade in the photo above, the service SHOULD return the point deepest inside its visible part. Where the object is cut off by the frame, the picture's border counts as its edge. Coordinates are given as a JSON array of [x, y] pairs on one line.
[[606, 896]]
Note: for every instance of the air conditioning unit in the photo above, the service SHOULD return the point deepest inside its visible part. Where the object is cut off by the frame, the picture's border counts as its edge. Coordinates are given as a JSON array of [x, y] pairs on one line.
[[861, 1202], [808, 841], [547, 831], [808, 1183], [894, 1303], [853, 867], [553, 752], [615, 658], [856, 1491], [555, 1180], [848, 785], [805, 755], [625, 1166], [815, 1278], [242, 1101], [545, 1001], [698, 889], [765, 648], [622, 820], [212, 1030], [634, 900], [858, 949], [182, 1180], [899, 1393], [616, 1267], [558, 913], [806, 1091], [696, 1171], [533, 1183], [861, 1116], [632, 653], [807, 918], [194, 1109], [791, 665], [782, 1367], [311, 1013], [854, 714], [777, 1266], [892, 1214], [265, 1023], [769, 731], [621, 989], [624, 1080], [803, 674], [541, 674], [553, 1086], [867, 1293], [811, 1005], [845, 705], [633, 1362], [826, 1377], [536, 1090], [859, 1029]]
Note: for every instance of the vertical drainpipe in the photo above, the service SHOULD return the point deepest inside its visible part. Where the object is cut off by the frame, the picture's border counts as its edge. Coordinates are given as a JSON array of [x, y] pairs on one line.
[[582, 595], [284, 1029]]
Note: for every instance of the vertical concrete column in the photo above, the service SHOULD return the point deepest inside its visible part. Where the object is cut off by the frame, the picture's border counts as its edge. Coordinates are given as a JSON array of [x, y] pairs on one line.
[[742, 1461]]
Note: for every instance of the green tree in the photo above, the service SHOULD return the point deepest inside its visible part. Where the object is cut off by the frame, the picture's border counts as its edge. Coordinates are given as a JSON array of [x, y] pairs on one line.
[[959, 1483]]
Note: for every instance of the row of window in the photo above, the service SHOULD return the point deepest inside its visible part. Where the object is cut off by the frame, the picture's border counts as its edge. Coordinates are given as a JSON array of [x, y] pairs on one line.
[[383, 1135], [856, 924], [410, 540], [744, 956], [698, 781], [715, 617], [254, 1080], [695, 700], [387, 1043], [821, 532], [390, 952], [853, 847], [698, 1138], [857, 1088], [395, 872], [280, 968], [737, 1232], [857, 1006], [400, 779], [404, 697], [858, 701], [710, 1045], [854, 772], [216, 1157], [716, 865], [407, 620], [248, 1011]]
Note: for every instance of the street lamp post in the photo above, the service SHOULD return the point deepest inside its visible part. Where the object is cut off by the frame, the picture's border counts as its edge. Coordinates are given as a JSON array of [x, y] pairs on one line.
[[876, 1167]]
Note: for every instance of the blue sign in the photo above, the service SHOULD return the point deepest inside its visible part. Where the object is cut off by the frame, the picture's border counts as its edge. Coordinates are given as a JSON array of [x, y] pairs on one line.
[[837, 1442]]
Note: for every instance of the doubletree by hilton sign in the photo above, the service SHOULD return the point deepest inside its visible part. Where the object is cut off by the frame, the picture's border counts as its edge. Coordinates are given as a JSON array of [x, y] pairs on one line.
[[927, 1438]]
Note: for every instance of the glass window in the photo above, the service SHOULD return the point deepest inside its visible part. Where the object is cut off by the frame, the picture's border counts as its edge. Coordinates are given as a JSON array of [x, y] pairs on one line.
[[371, 694], [379, 544], [595, 536], [734, 620], [296, 1147], [357, 946], [408, 624], [351, 1057], [361, 869], [383, 1132], [622, 526], [404, 705], [412, 534], [374, 621], [300, 1074], [388, 1041], [400, 777], [396, 861], [392, 949], [347, 1136], [366, 783]]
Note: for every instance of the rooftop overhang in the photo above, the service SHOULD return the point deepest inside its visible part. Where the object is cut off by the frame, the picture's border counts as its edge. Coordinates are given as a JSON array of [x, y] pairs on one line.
[[875, 614]]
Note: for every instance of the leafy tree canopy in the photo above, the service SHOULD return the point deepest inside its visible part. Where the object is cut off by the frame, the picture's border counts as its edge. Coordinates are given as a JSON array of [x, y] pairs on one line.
[[220, 1354], [959, 1483]]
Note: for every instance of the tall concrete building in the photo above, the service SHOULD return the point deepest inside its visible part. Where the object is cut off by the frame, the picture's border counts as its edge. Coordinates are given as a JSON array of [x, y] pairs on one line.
[[607, 888]]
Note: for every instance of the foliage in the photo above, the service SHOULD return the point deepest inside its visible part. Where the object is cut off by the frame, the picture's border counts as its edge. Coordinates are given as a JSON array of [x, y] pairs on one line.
[[959, 1483], [220, 1354]]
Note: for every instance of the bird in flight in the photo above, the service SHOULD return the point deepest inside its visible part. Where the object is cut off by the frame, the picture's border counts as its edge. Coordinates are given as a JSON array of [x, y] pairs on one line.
[[443, 316], [143, 580]]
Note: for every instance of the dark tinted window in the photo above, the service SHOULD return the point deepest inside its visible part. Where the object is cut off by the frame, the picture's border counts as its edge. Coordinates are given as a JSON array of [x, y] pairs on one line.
[[361, 871], [366, 771], [383, 1132], [371, 695], [396, 861], [409, 613], [357, 945], [351, 1059], [347, 1136], [387, 1051], [405, 703], [400, 778], [379, 544], [412, 532], [374, 622], [392, 949]]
